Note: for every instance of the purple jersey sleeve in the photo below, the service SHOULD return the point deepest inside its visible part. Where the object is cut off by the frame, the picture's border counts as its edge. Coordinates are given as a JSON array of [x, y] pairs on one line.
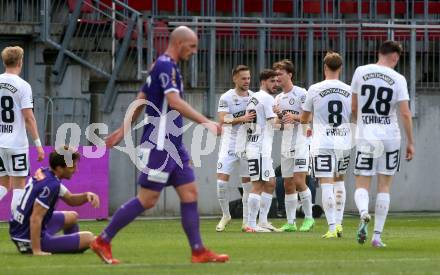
[[47, 195]]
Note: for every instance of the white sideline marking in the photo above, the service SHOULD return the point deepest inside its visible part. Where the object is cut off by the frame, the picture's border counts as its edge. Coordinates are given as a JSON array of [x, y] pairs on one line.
[[272, 262]]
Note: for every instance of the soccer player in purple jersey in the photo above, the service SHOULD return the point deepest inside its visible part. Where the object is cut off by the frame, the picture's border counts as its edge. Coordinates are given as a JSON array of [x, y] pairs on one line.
[[168, 162], [35, 223]]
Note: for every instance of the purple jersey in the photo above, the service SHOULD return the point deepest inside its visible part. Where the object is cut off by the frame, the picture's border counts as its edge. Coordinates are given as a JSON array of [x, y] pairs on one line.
[[46, 193], [164, 78]]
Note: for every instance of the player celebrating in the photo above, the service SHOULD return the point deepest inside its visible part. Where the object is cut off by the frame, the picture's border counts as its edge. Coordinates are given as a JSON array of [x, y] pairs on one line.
[[164, 90], [16, 105], [35, 223], [379, 90], [258, 152], [294, 153], [330, 103], [232, 112]]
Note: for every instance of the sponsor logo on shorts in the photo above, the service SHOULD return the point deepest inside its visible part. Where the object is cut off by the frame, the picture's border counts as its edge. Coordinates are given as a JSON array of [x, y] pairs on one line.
[[158, 176], [219, 165], [300, 162], [266, 173]]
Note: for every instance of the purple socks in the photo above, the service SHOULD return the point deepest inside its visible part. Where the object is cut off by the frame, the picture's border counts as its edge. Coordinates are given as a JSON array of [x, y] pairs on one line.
[[122, 217], [190, 224]]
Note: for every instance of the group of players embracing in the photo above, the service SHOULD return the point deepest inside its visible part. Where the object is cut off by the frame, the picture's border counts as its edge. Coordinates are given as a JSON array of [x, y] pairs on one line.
[[319, 128]]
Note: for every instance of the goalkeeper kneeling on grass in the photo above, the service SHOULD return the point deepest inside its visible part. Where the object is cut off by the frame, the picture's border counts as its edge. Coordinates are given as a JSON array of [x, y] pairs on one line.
[[35, 222]]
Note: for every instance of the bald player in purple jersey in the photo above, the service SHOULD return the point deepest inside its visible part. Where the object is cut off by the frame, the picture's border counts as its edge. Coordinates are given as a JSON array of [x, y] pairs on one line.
[[167, 161], [35, 223]]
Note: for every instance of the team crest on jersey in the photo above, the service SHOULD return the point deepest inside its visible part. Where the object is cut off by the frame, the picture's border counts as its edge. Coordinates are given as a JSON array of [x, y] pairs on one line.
[[45, 193], [292, 101], [235, 100], [254, 101], [303, 99], [164, 80]]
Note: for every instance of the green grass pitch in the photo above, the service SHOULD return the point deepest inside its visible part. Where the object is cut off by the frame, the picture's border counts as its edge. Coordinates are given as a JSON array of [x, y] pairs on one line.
[[160, 247]]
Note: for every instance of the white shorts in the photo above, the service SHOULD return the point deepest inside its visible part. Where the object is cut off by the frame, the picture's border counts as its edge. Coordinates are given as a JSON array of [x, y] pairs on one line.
[[226, 164], [260, 168], [377, 157], [328, 163], [14, 162], [294, 163]]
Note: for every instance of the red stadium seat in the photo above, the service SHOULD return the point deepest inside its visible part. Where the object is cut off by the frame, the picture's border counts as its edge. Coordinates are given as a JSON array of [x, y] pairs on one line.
[[384, 7], [349, 7], [253, 6], [433, 7], [121, 29], [141, 5], [314, 7], [194, 6], [85, 8], [284, 6], [223, 6]]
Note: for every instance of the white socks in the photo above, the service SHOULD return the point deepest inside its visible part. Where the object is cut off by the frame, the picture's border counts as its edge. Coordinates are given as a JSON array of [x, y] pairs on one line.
[[3, 192], [340, 196], [329, 204], [266, 202], [361, 199], [254, 207], [381, 212], [306, 199], [222, 199], [16, 198], [291, 201], [247, 186]]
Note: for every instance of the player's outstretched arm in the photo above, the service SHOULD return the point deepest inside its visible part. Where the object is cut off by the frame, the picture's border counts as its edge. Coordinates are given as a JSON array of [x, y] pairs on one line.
[[406, 117], [181, 106], [81, 198], [31, 126], [36, 221], [116, 137]]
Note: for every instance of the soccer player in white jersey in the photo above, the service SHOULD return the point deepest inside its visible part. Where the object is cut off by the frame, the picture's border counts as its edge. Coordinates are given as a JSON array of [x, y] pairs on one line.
[[378, 91], [330, 103], [232, 114], [16, 105], [294, 152], [259, 150]]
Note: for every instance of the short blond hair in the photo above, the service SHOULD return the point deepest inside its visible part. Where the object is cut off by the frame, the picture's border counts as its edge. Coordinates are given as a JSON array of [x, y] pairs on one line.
[[11, 56], [333, 60]]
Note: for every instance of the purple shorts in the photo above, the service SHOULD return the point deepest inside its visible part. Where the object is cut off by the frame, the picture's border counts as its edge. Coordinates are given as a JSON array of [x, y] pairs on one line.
[[163, 170]]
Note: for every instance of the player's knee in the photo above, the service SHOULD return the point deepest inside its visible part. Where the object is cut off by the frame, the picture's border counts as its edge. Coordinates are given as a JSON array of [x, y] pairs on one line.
[[71, 217]]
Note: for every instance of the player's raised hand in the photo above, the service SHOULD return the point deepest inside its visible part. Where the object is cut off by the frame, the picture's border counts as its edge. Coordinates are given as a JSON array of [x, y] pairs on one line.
[[93, 199], [410, 151], [277, 110], [41, 253], [213, 127], [114, 138], [249, 116], [40, 152]]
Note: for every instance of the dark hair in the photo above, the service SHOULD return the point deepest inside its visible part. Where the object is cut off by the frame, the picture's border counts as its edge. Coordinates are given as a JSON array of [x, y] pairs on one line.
[[390, 46], [267, 73], [286, 65], [333, 60], [56, 159], [240, 68]]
